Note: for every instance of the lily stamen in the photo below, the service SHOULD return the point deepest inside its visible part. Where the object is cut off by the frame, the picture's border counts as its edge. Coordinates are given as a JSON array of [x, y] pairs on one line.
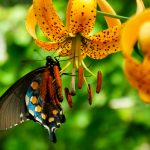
[[68, 97], [89, 94], [99, 81], [80, 77]]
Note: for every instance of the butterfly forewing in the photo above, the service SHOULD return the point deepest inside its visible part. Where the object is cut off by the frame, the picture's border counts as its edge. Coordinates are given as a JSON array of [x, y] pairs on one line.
[[12, 104]]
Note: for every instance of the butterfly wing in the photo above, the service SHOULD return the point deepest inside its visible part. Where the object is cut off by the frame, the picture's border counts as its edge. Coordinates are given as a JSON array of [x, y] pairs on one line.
[[13, 110]]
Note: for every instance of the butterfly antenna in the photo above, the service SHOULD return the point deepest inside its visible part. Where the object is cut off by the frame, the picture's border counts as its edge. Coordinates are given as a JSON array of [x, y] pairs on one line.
[[36, 51]]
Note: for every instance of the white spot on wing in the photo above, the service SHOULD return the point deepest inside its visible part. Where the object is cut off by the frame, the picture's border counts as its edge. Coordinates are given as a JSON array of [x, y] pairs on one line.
[[38, 119], [27, 100], [58, 124], [21, 115], [31, 112], [46, 127], [61, 112], [53, 129]]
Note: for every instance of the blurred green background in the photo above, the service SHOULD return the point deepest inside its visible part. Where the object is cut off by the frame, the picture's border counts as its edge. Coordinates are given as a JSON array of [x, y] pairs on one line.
[[117, 120]]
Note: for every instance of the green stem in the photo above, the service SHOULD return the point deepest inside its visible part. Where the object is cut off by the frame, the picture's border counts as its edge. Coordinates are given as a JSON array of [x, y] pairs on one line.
[[113, 16]]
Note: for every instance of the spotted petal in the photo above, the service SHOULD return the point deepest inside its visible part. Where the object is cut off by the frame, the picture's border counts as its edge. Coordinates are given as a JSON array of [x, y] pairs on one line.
[[31, 22], [62, 48], [105, 7], [131, 30], [103, 43], [48, 20], [139, 76], [81, 16]]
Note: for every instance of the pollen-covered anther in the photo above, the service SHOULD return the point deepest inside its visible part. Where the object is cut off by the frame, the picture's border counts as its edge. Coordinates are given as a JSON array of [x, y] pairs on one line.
[[68, 97], [38, 108], [80, 77], [35, 85], [59, 94], [51, 119], [89, 94], [99, 81]]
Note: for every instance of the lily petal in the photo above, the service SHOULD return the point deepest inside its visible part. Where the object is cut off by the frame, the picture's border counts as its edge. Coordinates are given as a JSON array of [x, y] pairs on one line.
[[145, 96], [139, 76], [48, 20], [31, 22], [106, 7], [144, 38], [101, 50], [131, 30], [103, 43], [63, 48], [139, 6], [81, 16], [108, 35]]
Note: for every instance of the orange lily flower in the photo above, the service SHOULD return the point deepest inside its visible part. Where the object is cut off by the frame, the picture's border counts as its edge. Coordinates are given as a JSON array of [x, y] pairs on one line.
[[138, 74], [73, 40]]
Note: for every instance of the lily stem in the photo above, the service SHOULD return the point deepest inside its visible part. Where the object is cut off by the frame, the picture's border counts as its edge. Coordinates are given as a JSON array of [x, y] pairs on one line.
[[113, 16]]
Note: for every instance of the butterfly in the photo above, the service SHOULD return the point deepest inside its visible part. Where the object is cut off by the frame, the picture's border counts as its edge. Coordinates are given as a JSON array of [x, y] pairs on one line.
[[37, 97]]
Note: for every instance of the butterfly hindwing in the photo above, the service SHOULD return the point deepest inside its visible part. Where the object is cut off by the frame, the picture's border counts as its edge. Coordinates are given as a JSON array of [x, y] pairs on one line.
[[43, 105]]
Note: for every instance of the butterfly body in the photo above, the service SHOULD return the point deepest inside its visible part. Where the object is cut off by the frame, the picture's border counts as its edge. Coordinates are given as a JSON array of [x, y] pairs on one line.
[[34, 97]]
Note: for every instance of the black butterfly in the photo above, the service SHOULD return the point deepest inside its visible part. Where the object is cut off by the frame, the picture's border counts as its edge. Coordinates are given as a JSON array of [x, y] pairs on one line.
[[37, 97]]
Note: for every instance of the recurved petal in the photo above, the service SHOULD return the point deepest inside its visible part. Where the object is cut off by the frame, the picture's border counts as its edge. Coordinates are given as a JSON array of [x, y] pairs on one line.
[[131, 30], [81, 16], [48, 46], [101, 50], [139, 6], [62, 48], [106, 7], [48, 20], [31, 22], [145, 96], [100, 47], [138, 75], [108, 35], [144, 38]]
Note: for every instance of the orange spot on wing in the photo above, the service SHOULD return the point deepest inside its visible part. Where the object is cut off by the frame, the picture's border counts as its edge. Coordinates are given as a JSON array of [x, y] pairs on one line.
[[38, 108], [35, 85], [51, 119], [55, 112], [43, 116], [34, 99]]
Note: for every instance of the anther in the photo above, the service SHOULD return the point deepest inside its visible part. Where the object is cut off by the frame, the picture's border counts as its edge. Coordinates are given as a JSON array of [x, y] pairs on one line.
[[68, 97], [59, 94], [99, 81], [80, 77], [89, 94]]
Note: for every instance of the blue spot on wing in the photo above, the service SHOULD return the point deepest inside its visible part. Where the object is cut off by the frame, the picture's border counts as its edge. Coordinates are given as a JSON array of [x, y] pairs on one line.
[[31, 106]]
